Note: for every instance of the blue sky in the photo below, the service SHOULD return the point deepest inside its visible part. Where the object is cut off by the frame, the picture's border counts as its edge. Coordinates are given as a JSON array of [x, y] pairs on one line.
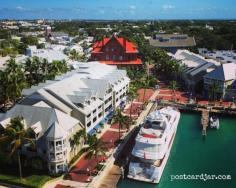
[[118, 9]]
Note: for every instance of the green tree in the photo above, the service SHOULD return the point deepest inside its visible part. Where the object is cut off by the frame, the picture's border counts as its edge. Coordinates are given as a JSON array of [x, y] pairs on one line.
[[132, 94], [4, 89], [213, 91], [56, 68], [122, 120], [14, 137], [95, 148], [15, 79], [173, 87], [74, 55]]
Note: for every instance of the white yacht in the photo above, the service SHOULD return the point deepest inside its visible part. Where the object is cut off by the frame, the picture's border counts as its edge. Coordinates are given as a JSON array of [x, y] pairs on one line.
[[214, 122], [153, 144]]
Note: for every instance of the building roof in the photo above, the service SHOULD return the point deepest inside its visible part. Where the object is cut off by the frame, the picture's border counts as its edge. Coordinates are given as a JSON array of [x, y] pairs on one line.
[[129, 48], [172, 40], [135, 62], [191, 59], [75, 89], [43, 118], [225, 72]]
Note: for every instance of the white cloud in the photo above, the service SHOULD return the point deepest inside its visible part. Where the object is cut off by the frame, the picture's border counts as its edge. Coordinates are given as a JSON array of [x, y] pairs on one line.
[[19, 8], [132, 7], [167, 7]]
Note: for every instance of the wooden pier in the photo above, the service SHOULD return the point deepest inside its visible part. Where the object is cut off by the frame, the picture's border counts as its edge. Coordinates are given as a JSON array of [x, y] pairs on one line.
[[112, 178], [204, 121]]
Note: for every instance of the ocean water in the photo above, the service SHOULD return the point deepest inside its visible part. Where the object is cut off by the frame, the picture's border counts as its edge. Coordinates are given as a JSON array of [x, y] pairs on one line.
[[192, 155]]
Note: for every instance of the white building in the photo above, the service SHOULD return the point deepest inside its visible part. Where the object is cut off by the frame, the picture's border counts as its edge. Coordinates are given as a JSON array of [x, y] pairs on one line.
[[51, 52], [53, 131], [222, 56], [57, 109], [194, 67], [89, 93]]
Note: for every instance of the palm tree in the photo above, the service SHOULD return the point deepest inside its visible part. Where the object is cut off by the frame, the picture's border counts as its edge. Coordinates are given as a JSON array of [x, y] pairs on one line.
[[33, 70], [44, 68], [173, 87], [15, 79], [121, 120], [95, 148], [213, 90], [74, 55], [132, 94], [81, 134], [4, 89], [14, 137], [145, 84]]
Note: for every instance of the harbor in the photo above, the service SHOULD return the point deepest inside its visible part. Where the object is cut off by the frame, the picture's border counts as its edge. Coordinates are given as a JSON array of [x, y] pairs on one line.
[[192, 155]]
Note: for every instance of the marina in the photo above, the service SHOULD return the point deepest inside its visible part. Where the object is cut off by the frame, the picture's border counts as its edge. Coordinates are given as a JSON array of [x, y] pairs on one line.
[[193, 155]]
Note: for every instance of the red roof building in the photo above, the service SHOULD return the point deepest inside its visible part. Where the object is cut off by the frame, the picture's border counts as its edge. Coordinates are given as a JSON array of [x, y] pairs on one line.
[[115, 51]]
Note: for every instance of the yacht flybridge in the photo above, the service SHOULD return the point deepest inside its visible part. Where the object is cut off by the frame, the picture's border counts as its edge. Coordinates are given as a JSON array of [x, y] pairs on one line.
[[153, 144]]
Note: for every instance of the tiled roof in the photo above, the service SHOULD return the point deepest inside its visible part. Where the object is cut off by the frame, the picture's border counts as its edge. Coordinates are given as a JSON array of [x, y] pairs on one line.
[[130, 47], [135, 62]]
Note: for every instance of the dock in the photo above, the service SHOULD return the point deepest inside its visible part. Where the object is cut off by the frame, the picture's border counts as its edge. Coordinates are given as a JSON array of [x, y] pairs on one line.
[[204, 121], [112, 178]]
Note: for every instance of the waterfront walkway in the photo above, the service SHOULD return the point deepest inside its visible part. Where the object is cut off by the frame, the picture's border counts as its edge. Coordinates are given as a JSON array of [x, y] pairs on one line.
[[113, 172], [184, 98]]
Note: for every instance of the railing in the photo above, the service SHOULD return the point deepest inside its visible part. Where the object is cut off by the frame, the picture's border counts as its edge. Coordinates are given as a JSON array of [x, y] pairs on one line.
[[59, 148]]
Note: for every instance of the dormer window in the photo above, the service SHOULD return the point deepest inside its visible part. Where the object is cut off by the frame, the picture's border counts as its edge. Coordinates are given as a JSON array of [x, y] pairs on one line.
[[80, 105], [88, 102], [93, 98]]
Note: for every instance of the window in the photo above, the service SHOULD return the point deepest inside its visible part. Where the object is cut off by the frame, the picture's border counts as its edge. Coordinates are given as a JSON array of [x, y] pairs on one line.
[[107, 57], [114, 57], [94, 119], [100, 115], [121, 58], [95, 111], [58, 143], [88, 115], [89, 124]]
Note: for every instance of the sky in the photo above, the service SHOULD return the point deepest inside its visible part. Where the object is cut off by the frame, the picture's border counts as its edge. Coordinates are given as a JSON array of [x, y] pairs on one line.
[[117, 9]]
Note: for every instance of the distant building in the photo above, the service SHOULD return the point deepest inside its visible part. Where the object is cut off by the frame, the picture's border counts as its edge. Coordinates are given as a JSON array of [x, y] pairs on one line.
[[172, 42], [48, 31], [223, 56], [115, 51], [56, 37], [211, 28], [51, 53], [225, 79], [194, 67]]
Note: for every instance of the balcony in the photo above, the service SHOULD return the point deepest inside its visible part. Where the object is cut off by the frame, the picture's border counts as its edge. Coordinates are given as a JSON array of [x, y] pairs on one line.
[[59, 148], [57, 158]]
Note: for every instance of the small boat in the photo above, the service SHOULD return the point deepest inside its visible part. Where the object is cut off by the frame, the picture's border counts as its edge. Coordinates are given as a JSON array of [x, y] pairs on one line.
[[214, 122]]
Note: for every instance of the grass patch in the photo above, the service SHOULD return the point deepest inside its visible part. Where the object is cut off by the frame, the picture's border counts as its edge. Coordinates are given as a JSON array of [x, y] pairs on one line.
[[33, 181]]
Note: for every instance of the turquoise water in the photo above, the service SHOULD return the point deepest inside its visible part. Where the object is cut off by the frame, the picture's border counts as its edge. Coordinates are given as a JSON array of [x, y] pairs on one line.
[[192, 155]]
